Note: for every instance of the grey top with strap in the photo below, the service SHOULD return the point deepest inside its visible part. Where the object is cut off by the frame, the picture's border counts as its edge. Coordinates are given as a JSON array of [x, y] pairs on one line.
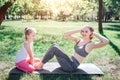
[[81, 49]]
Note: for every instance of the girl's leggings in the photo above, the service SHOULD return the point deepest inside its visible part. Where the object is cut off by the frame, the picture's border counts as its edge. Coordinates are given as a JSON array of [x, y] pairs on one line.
[[67, 64], [26, 66]]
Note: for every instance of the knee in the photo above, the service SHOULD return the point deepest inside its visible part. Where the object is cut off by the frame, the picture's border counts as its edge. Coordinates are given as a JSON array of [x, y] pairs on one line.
[[54, 46], [31, 69]]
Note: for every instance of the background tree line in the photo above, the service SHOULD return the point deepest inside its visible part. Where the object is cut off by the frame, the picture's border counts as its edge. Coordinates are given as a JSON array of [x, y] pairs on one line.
[[62, 9]]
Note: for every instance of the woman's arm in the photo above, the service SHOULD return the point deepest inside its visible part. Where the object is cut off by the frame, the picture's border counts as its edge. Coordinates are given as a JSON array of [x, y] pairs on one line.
[[30, 53], [69, 35], [102, 41]]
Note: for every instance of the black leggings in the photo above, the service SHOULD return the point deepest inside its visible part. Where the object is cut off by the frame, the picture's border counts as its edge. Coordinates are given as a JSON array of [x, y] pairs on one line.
[[66, 63]]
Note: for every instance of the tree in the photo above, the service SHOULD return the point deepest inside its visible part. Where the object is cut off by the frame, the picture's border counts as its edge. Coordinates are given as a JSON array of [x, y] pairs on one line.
[[100, 17], [3, 9], [112, 9]]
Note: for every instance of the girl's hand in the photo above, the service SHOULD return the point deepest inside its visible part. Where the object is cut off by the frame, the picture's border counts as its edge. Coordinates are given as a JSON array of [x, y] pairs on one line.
[[38, 65]]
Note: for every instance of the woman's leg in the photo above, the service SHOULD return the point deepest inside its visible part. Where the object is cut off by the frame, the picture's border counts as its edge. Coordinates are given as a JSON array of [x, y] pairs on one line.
[[65, 62]]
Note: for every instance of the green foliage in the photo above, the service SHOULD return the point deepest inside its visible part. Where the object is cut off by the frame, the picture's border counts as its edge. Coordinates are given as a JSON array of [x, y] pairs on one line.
[[75, 9], [14, 10], [54, 8], [2, 2], [113, 7]]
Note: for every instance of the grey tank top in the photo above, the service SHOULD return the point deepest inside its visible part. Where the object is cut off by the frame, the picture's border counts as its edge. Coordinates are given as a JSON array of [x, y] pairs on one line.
[[81, 49]]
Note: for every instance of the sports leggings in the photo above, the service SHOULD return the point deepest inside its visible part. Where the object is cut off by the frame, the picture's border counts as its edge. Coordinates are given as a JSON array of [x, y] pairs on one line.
[[67, 64]]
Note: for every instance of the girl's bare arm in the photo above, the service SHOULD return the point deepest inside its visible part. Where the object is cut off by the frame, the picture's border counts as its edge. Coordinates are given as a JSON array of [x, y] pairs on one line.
[[30, 53]]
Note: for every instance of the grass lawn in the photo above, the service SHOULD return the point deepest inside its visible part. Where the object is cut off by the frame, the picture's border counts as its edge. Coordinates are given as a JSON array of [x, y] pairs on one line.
[[49, 32]]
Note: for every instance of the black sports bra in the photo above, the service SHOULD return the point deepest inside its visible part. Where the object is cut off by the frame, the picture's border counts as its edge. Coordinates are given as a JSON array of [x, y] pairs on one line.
[[81, 49]]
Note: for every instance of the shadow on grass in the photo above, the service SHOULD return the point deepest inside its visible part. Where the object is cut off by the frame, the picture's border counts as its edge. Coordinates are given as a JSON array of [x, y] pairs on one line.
[[66, 77], [2, 27], [115, 28], [111, 22], [9, 32], [15, 76], [58, 74], [53, 76]]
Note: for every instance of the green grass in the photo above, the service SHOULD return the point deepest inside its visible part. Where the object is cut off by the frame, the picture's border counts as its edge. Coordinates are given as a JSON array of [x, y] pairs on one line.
[[50, 32]]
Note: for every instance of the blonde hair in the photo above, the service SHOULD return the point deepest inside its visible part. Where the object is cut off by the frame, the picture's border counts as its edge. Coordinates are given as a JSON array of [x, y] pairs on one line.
[[28, 31]]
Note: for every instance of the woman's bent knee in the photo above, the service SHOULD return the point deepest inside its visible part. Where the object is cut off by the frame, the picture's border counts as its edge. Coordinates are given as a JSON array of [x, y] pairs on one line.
[[55, 47]]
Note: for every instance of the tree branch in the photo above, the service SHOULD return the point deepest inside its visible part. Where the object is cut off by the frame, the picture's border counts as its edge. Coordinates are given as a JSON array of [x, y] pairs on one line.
[[4, 8]]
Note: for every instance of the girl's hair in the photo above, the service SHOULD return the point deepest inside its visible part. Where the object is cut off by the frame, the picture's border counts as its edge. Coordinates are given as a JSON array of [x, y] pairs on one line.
[[91, 29], [28, 31]]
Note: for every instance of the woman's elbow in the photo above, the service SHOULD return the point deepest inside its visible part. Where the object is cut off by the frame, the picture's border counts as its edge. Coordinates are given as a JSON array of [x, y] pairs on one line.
[[106, 42], [66, 34]]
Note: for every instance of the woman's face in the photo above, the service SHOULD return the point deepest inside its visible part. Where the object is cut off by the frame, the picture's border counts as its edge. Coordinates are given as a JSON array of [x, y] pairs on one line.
[[86, 33], [31, 36]]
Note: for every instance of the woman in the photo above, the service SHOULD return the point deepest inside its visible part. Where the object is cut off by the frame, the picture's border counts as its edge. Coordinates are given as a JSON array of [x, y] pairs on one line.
[[82, 48]]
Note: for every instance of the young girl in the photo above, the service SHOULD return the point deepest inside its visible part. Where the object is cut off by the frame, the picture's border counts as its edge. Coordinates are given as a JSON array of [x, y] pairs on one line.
[[25, 57], [83, 46]]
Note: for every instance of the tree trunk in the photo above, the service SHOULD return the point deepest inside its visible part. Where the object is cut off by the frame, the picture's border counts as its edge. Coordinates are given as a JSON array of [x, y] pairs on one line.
[[3, 10], [100, 29]]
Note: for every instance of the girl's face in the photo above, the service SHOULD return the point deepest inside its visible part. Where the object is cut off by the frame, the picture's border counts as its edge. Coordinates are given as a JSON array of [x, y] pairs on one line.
[[86, 33], [31, 36]]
